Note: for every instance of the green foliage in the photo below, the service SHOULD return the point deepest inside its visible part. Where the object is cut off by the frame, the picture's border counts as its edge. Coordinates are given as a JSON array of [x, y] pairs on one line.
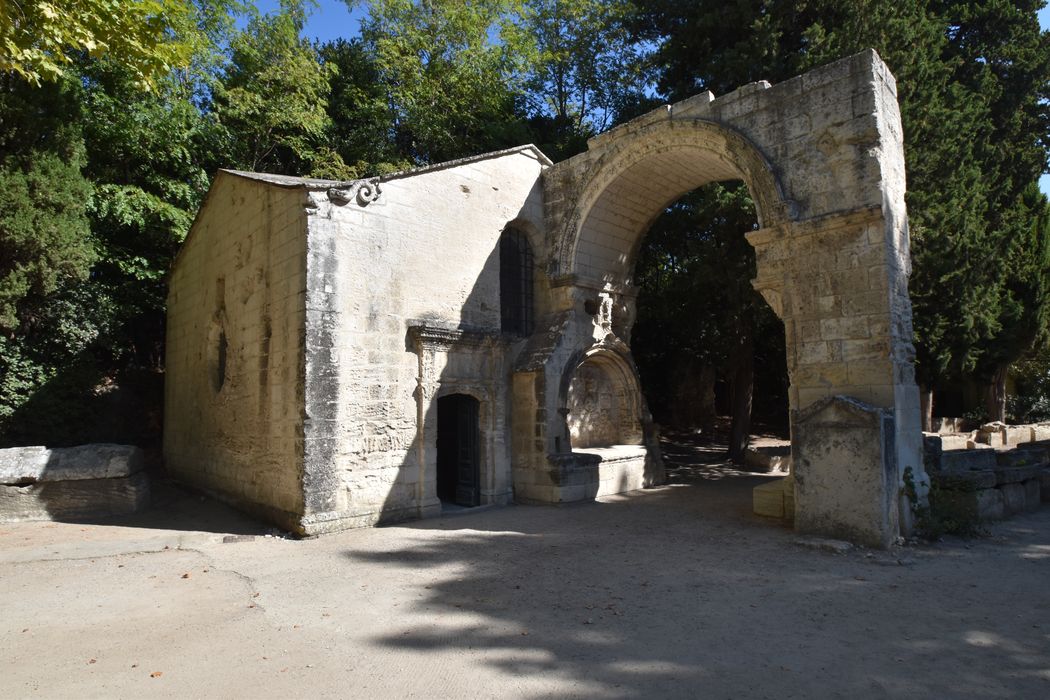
[[358, 111], [1030, 402], [449, 82], [40, 39], [43, 198], [696, 302], [580, 66], [972, 83], [272, 98]]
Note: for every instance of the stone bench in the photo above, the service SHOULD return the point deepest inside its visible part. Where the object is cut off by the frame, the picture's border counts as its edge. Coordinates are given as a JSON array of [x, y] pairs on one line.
[[71, 483]]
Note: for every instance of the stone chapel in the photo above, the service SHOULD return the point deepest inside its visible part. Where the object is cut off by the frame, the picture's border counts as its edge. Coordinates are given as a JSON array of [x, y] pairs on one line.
[[342, 354]]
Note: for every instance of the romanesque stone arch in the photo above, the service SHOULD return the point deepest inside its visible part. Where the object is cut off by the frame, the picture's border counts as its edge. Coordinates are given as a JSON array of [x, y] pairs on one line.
[[822, 155], [637, 177]]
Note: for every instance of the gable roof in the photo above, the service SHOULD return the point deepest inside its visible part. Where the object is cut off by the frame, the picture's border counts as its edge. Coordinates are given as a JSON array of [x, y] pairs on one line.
[[318, 184]]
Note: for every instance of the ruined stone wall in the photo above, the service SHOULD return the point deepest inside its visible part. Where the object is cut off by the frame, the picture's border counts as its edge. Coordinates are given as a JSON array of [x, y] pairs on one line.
[[403, 307], [240, 278], [822, 156]]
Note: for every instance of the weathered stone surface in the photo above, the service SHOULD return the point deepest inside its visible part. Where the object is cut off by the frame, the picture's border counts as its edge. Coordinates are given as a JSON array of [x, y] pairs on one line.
[[765, 459], [1017, 434], [1021, 457], [768, 499], [1032, 494], [1014, 497], [990, 504], [313, 326], [1044, 485], [1040, 432], [846, 483], [979, 478], [28, 465], [967, 460], [79, 499], [1016, 475], [993, 434]]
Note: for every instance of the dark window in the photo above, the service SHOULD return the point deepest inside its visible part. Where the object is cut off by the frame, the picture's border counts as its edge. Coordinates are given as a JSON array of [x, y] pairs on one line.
[[515, 283]]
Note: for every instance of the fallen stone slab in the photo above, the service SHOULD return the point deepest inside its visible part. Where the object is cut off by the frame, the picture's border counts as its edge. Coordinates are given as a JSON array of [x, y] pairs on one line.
[[81, 499], [770, 458], [71, 483], [29, 465]]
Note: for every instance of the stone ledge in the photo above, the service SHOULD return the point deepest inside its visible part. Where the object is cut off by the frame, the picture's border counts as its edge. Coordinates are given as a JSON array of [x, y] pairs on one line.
[[79, 499], [30, 465]]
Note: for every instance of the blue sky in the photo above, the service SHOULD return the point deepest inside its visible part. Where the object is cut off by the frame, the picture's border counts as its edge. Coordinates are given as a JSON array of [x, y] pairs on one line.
[[333, 19]]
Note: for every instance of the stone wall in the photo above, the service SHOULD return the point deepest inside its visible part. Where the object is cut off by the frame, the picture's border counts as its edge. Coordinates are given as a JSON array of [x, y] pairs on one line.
[[403, 307], [822, 156], [237, 298]]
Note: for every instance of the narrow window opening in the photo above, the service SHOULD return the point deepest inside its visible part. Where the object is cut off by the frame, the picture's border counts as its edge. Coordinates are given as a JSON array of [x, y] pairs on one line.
[[220, 365], [516, 265]]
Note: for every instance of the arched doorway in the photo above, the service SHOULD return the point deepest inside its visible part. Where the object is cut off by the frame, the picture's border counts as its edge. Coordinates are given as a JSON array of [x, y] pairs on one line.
[[459, 450]]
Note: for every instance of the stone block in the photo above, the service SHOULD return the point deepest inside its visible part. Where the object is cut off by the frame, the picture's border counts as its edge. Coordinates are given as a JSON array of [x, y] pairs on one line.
[[1020, 457], [977, 479], [990, 504], [29, 465], [1032, 494], [768, 499], [77, 499], [768, 459], [846, 482], [967, 460], [954, 442], [931, 451], [1017, 434], [992, 434], [1014, 497], [1040, 432], [1016, 475]]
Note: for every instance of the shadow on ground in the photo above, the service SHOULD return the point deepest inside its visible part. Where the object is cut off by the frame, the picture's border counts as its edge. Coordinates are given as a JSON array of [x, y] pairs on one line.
[[681, 591]]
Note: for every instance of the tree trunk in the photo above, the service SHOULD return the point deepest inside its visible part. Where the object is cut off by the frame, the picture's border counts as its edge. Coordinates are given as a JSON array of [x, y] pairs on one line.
[[926, 407], [741, 387], [995, 395]]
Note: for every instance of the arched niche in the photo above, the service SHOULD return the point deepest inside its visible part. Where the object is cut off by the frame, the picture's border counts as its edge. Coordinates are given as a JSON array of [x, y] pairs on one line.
[[603, 403]]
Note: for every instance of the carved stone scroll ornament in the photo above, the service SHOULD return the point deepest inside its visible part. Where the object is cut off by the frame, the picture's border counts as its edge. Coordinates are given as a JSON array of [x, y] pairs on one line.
[[364, 191]]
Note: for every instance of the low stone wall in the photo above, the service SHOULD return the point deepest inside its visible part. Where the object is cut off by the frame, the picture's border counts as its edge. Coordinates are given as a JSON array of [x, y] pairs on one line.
[[992, 483], [71, 483]]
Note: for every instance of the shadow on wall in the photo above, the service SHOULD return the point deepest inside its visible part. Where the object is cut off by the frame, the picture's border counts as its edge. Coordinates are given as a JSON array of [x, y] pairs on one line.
[[463, 363]]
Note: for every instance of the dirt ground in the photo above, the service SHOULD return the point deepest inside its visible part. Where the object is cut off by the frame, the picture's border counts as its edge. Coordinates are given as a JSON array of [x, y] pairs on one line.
[[677, 591]]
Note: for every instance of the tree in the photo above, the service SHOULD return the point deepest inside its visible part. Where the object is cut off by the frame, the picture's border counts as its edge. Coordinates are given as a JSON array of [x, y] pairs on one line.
[[361, 131], [697, 307], [451, 85], [1024, 309], [40, 39], [972, 83], [272, 99], [43, 196], [579, 64]]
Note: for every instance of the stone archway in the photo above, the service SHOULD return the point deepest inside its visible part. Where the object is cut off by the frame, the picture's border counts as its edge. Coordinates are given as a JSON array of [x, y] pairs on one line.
[[823, 158]]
